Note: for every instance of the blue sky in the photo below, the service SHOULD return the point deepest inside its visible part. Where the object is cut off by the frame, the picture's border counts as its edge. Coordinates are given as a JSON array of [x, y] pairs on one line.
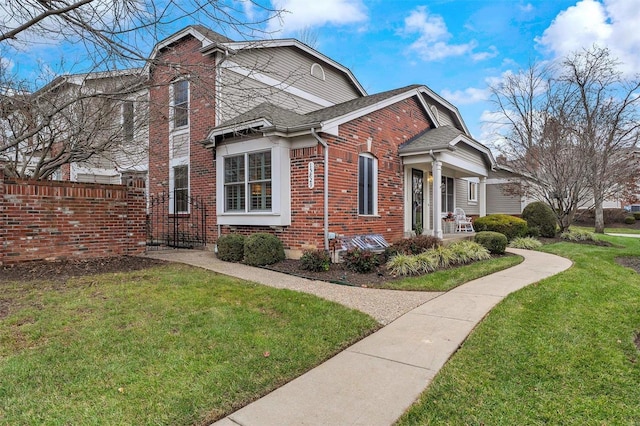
[[456, 47]]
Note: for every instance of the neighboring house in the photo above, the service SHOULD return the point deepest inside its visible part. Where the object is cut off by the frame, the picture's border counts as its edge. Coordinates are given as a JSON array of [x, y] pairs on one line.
[[86, 128], [275, 137]]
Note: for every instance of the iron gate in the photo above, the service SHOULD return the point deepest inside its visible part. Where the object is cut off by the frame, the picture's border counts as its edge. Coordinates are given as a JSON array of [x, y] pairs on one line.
[[176, 220]]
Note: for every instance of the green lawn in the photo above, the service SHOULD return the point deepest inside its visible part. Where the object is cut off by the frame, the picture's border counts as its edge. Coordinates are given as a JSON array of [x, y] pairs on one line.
[[169, 345], [447, 279], [558, 352]]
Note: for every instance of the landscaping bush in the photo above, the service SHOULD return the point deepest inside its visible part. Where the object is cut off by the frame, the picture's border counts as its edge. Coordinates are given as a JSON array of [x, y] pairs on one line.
[[361, 261], [468, 251], [630, 220], [495, 242], [315, 260], [231, 247], [609, 215], [263, 249], [443, 256], [577, 235], [508, 225], [413, 245], [539, 215], [404, 264], [636, 215], [527, 243]]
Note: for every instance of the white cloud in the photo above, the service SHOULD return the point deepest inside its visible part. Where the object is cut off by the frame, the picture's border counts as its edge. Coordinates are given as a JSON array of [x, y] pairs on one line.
[[526, 8], [611, 23], [481, 56], [433, 38], [303, 14], [470, 95]]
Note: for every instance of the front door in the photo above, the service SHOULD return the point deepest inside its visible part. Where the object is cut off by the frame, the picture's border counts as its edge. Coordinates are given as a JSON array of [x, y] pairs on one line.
[[417, 200]]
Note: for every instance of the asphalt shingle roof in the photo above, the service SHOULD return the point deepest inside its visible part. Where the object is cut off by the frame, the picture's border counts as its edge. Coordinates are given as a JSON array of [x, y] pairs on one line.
[[283, 118], [437, 138]]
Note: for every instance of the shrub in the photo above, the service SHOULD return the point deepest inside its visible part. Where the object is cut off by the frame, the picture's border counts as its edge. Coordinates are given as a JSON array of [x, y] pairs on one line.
[[508, 225], [413, 245], [404, 264], [495, 242], [443, 256], [361, 261], [539, 215], [426, 262], [263, 249], [231, 247], [636, 215], [630, 220], [577, 235], [527, 243], [315, 260], [468, 251]]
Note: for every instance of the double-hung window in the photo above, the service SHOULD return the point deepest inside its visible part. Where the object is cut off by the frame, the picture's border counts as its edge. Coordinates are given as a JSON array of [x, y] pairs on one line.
[[247, 182], [180, 103], [367, 184], [181, 189], [473, 191]]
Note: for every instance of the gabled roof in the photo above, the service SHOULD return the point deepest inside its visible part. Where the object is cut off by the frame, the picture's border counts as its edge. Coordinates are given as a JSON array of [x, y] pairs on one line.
[[212, 41], [268, 117]]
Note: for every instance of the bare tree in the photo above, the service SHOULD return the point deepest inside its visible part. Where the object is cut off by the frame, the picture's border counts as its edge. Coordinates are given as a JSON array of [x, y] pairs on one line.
[[570, 130], [537, 144], [608, 121], [67, 120]]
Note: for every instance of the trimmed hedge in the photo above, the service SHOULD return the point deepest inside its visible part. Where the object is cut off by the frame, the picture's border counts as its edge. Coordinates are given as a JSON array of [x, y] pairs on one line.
[[495, 242], [630, 220], [360, 261], [315, 260], [413, 245], [541, 217], [231, 247], [636, 215], [263, 249], [509, 226]]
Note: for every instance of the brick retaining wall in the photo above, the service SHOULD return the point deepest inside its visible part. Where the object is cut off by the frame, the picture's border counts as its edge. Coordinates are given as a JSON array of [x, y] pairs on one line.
[[50, 220]]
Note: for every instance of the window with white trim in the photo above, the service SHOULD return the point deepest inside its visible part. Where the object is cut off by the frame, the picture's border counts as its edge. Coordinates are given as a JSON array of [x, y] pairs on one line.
[[127, 121], [181, 189], [367, 184], [446, 188], [473, 191], [248, 182], [180, 104]]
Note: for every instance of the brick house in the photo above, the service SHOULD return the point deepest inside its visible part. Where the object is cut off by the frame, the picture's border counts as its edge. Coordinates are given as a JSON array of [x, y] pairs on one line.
[[278, 138]]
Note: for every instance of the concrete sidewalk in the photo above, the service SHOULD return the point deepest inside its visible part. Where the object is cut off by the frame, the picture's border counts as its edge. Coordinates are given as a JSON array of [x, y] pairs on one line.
[[374, 381]]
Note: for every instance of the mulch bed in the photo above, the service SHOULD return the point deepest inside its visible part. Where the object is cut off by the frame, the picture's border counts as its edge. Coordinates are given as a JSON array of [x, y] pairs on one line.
[[337, 273], [630, 262], [61, 271]]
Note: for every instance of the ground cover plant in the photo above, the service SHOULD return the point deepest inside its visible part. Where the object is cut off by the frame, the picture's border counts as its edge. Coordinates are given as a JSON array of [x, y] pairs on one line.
[[562, 351], [167, 345]]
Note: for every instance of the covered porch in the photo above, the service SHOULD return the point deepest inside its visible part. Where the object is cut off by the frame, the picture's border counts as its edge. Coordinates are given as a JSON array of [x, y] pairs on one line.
[[444, 170]]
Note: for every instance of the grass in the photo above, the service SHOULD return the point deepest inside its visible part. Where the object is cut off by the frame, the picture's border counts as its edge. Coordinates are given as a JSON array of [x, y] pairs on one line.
[[169, 345], [558, 352], [445, 280]]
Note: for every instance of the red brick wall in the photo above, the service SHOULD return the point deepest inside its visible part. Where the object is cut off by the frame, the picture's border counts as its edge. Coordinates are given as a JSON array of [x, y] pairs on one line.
[[388, 128], [184, 60], [48, 220]]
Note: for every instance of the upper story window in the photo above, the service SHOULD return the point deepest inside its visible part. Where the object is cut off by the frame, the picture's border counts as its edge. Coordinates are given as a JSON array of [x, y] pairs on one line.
[[248, 182], [127, 121], [180, 103], [367, 184]]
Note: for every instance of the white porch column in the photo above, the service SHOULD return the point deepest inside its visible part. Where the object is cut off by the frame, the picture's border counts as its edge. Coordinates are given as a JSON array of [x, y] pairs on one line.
[[437, 200], [482, 196]]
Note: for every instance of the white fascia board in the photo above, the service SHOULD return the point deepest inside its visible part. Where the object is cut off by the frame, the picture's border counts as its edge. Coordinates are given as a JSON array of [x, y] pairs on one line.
[[452, 160], [445, 103], [335, 122], [476, 145], [291, 42], [272, 82], [174, 38], [238, 127]]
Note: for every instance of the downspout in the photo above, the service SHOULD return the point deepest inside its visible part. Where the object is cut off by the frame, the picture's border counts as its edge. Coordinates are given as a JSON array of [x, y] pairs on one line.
[[326, 187]]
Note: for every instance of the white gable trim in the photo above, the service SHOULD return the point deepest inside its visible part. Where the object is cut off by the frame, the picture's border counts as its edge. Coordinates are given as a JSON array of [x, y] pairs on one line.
[[272, 82], [290, 42]]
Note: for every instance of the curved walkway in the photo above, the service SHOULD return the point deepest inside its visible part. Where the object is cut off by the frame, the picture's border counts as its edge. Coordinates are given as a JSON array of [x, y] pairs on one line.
[[374, 381]]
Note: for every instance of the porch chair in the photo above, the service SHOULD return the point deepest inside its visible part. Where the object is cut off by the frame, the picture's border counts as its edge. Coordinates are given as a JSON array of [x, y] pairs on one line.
[[463, 223]]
